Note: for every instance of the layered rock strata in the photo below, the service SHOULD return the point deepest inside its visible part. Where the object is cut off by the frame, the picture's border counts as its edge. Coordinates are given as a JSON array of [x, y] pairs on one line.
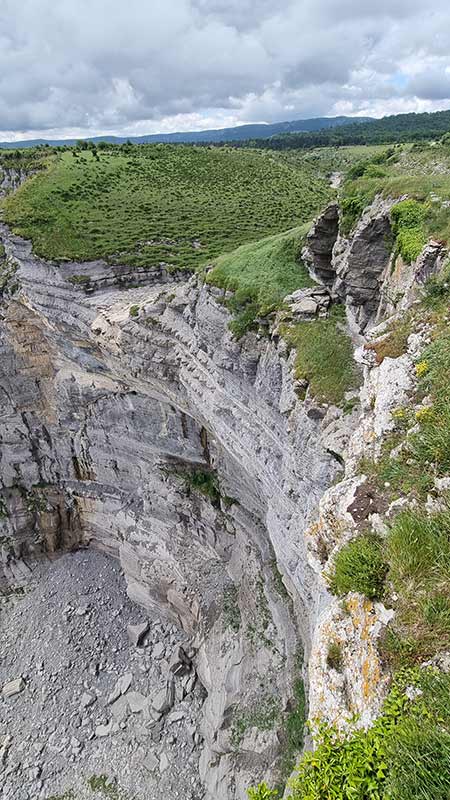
[[108, 420], [134, 423]]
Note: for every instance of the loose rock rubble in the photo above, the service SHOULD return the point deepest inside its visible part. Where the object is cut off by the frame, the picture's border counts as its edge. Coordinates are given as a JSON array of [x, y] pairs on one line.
[[90, 688], [306, 304]]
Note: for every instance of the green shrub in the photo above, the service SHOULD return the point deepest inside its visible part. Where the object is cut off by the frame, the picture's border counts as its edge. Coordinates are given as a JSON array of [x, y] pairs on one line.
[[360, 567], [410, 243], [134, 311], [261, 792], [334, 656], [205, 482], [375, 171], [407, 214], [409, 228]]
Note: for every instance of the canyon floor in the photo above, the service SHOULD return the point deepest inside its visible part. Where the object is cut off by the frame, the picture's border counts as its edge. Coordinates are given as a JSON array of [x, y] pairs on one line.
[[95, 715]]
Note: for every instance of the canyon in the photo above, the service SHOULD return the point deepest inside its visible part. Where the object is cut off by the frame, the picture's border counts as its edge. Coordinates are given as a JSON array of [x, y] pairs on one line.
[[134, 427]]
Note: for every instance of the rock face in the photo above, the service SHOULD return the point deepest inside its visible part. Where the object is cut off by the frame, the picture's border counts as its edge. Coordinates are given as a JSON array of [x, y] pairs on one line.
[[361, 262], [106, 420], [361, 270], [318, 251]]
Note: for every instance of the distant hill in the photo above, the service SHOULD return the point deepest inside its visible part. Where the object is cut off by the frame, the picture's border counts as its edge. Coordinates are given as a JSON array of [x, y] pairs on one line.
[[388, 130], [239, 133]]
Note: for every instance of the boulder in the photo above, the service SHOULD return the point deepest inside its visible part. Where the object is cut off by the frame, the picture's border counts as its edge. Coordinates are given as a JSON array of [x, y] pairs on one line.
[[136, 701], [119, 709], [122, 686], [13, 687], [136, 633], [307, 307], [158, 650], [179, 663], [163, 701], [86, 700]]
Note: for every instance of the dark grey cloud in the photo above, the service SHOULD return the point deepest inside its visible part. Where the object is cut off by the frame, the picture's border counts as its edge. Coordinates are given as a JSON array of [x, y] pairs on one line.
[[104, 65], [432, 84]]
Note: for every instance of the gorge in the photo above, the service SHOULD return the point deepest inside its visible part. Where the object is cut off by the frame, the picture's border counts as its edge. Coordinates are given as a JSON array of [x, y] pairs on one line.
[[135, 426]]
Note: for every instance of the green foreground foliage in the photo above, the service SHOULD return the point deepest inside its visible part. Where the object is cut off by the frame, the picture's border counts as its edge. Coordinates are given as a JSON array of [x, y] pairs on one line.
[[405, 755]]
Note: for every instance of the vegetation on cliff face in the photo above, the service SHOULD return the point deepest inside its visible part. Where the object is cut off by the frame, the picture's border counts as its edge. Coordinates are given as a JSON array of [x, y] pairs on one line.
[[405, 755], [143, 205], [324, 356], [260, 275]]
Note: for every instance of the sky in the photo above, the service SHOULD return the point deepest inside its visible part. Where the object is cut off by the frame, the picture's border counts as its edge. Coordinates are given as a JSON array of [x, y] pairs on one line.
[[130, 67]]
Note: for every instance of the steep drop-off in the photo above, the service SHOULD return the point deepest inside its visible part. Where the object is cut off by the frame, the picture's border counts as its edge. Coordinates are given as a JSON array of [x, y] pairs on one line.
[[134, 423]]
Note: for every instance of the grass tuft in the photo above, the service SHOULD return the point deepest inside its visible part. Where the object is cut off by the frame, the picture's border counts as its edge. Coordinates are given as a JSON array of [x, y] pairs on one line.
[[418, 552], [360, 566]]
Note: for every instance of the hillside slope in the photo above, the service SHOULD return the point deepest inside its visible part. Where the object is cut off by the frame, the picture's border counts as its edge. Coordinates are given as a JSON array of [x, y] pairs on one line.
[[395, 128], [249, 131], [159, 203]]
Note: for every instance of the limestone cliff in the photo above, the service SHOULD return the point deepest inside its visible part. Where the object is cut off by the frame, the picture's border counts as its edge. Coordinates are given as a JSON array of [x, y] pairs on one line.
[[120, 389]]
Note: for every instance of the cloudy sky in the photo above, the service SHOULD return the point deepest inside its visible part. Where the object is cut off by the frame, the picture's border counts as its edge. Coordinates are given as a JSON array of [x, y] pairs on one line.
[[84, 67]]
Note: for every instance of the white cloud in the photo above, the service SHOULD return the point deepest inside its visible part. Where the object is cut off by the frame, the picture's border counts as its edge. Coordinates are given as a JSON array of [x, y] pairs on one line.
[[104, 66]]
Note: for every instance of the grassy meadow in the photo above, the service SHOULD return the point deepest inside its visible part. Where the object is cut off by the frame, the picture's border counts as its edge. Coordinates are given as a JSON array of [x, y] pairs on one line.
[[142, 205]]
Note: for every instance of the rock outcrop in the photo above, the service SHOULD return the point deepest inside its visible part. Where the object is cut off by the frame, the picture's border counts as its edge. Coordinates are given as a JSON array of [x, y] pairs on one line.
[[318, 250], [362, 269]]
